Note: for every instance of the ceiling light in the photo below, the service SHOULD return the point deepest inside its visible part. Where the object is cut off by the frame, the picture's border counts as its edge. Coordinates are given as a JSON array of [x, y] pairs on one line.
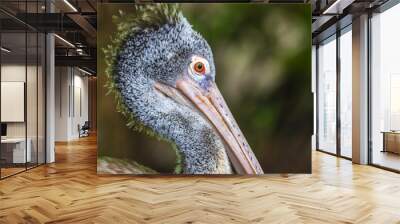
[[70, 5], [84, 71], [337, 7], [5, 50], [65, 41], [79, 51]]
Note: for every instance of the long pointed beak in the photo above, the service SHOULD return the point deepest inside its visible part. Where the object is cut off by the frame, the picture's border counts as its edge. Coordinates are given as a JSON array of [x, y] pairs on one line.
[[213, 106]]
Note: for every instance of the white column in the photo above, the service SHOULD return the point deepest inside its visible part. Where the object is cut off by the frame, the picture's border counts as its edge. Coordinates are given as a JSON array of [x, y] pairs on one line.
[[360, 90], [62, 103], [50, 100]]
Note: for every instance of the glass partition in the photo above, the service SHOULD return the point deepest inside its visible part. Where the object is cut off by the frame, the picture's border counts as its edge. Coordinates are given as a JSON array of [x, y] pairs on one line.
[[31, 100], [13, 103], [327, 95], [22, 78], [385, 89], [346, 93], [41, 96]]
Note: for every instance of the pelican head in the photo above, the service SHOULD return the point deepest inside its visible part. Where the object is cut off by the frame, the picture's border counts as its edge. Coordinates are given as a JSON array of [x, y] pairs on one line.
[[164, 75]]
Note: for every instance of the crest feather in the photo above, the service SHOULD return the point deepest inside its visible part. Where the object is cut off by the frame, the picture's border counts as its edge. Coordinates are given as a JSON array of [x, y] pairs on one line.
[[146, 16]]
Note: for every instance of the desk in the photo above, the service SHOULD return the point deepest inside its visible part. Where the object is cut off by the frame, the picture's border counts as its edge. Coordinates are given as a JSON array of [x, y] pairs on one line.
[[391, 141], [13, 150]]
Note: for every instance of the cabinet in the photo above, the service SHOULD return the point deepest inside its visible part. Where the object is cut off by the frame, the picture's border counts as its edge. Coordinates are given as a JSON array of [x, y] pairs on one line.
[[391, 142], [13, 150]]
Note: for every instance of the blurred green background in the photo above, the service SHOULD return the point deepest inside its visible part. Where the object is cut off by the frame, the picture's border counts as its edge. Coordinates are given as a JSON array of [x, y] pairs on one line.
[[262, 54]]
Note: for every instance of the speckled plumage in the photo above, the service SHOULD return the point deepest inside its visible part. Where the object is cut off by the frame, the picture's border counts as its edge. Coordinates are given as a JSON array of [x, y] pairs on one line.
[[161, 52]]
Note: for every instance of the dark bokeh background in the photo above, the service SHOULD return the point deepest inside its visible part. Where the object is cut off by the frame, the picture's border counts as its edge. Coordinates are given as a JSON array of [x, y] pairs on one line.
[[263, 60]]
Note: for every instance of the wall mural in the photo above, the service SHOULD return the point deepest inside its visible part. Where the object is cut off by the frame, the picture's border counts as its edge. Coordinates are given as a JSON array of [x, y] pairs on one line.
[[183, 87]]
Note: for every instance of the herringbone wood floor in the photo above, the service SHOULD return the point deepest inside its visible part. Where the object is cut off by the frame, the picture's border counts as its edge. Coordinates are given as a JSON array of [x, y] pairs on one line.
[[69, 191]]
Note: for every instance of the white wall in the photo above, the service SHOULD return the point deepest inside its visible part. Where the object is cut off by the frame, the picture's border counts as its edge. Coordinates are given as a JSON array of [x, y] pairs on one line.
[[16, 73], [12, 73], [71, 102], [13, 101], [61, 103]]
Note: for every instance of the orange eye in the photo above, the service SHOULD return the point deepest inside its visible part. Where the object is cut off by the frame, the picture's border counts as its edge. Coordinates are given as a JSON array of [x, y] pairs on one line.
[[199, 67]]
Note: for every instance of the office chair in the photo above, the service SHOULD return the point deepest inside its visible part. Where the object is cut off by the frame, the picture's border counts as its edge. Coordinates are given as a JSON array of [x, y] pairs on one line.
[[84, 130]]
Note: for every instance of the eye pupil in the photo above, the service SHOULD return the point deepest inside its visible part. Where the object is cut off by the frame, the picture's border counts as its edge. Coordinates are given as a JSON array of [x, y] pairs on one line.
[[199, 67]]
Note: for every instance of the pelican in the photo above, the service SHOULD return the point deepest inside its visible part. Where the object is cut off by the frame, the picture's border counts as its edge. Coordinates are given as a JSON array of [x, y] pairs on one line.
[[162, 74]]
